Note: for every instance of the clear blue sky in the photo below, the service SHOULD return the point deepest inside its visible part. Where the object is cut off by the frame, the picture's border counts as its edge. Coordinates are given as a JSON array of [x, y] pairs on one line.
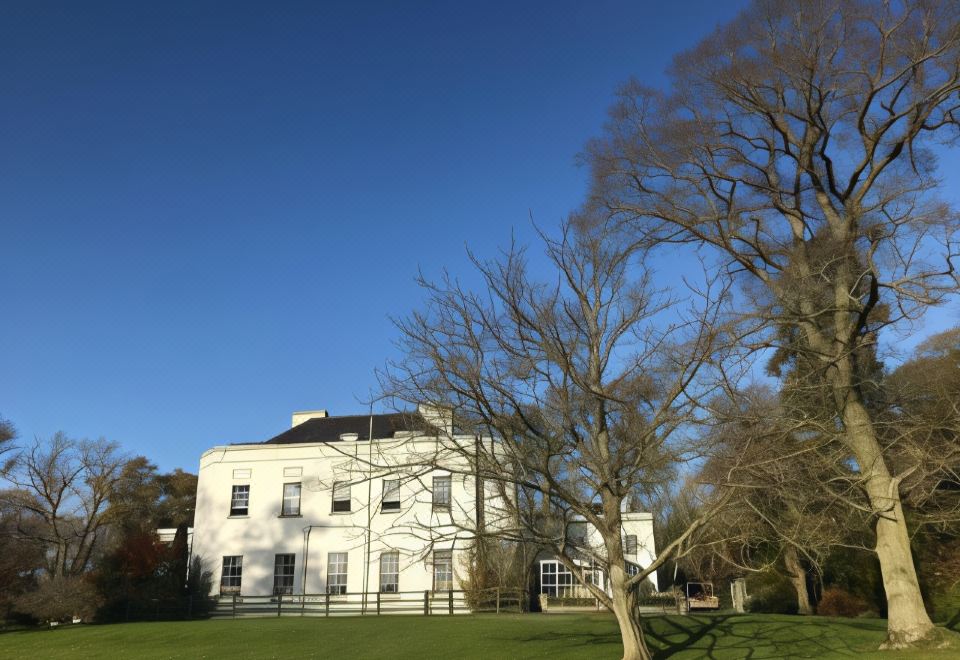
[[209, 211]]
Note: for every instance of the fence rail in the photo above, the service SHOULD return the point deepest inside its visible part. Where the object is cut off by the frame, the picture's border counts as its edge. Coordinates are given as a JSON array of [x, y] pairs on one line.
[[371, 603]]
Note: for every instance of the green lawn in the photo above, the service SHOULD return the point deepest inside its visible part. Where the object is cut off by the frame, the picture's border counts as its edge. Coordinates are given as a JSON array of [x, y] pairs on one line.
[[480, 636]]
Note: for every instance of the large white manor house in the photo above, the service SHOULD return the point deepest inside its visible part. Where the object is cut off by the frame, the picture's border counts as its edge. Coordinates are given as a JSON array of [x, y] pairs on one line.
[[362, 504]]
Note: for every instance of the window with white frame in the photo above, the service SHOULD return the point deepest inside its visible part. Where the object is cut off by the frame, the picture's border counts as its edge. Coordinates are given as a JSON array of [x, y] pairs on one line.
[[555, 580], [442, 570], [283, 572], [291, 500], [389, 572], [231, 575], [341, 497], [337, 573], [391, 495], [240, 500], [630, 544], [441, 493]]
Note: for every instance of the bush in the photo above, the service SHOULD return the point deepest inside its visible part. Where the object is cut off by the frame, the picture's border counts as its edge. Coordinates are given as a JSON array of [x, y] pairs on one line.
[[60, 599], [837, 602], [771, 593]]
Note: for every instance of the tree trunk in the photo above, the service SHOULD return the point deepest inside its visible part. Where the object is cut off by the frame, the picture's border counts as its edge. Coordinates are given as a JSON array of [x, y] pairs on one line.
[[907, 619], [628, 617], [798, 578]]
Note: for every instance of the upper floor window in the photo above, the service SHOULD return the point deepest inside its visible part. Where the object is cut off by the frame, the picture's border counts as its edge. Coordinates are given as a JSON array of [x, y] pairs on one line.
[[389, 572], [240, 500], [231, 575], [391, 495], [441, 492], [630, 544], [341, 496], [291, 500], [283, 571], [442, 570], [337, 573]]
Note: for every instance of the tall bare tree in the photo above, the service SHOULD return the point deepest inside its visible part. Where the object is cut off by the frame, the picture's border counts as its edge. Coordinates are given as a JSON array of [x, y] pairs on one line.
[[792, 147], [60, 488], [583, 383]]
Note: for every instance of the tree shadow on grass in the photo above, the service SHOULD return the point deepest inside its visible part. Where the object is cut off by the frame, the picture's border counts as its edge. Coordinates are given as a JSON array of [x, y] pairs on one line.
[[749, 637]]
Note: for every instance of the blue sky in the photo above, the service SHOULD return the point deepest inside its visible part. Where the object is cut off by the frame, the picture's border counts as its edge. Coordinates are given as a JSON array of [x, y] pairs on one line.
[[209, 211]]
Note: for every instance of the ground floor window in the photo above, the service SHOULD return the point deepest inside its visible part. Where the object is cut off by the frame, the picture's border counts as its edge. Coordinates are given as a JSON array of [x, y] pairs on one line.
[[555, 580], [283, 571], [442, 570], [337, 573], [389, 572], [231, 575]]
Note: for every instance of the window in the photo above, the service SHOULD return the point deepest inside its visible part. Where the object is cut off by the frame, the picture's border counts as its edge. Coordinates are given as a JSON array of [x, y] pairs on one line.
[[283, 574], [389, 572], [555, 580], [630, 544], [291, 500], [232, 575], [441, 492], [240, 501], [442, 569], [341, 496], [337, 573], [391, 495]]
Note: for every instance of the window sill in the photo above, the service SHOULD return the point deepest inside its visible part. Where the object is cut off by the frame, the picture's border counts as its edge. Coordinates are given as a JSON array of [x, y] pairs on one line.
[[391, 511], [239, 516], [290, 515], [340, 513]]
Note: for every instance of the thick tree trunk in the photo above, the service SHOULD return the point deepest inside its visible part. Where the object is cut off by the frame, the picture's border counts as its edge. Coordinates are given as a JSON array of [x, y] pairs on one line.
[[798, 578], [628, 617], [907, 619]]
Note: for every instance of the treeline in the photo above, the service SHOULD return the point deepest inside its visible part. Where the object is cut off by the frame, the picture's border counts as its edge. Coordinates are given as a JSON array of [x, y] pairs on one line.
[[78, 532]]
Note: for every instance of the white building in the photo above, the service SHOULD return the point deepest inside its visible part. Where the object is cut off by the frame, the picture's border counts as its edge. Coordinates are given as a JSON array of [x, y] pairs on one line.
[[320, 509]]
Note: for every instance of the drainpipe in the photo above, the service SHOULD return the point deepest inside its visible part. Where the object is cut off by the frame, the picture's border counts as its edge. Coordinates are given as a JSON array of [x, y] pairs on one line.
[[306, 551], [366, 568]]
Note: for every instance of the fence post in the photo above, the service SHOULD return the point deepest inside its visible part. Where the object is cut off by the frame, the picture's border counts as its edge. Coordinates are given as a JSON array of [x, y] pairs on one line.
[[426, 602], [450, 601], [378, 603], [234, 606], [326, 605], [190, 606], [279, 601], [498, 600]]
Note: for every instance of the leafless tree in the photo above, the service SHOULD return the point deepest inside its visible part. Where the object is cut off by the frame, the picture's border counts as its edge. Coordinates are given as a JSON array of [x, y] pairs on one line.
[[788, 490], [792, 147], [585, 382], [60, 488]]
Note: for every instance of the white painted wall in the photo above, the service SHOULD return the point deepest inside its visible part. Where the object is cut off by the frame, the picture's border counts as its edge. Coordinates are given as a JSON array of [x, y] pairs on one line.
[[259, 536], [414, 531]]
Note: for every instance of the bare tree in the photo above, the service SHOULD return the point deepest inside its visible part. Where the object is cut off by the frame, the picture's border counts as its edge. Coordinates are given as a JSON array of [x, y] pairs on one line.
[[586, 385], [788, 490], [60, 488], [792, 148]]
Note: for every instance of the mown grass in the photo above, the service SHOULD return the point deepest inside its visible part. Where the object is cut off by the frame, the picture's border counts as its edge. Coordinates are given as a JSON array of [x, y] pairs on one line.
[[481, 636]]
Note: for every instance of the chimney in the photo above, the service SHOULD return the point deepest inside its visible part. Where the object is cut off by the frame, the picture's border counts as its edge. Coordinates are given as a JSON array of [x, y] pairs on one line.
[[304, 415]]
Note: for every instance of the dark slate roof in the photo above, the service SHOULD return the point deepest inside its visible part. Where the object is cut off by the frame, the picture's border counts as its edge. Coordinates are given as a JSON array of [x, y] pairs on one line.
[[329, 429]]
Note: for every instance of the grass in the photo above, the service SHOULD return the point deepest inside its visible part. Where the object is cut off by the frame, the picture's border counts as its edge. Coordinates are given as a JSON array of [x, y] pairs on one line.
[[479, 636]]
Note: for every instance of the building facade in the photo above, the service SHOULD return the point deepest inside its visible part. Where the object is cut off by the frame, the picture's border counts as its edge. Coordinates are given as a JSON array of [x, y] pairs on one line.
[[323, 509]]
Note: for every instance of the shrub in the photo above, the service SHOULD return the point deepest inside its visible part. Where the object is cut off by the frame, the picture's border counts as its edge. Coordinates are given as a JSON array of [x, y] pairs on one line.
[[771, 593], [837, 602], [60, 599]]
